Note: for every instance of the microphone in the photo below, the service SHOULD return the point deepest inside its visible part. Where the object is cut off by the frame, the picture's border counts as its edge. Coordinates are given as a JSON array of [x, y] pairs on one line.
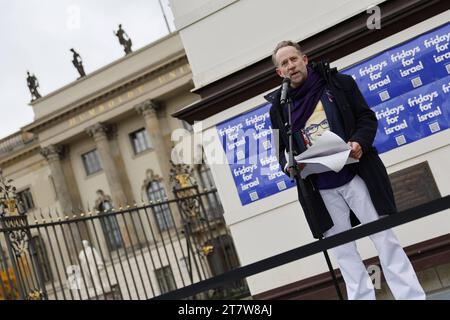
[[284, 90]]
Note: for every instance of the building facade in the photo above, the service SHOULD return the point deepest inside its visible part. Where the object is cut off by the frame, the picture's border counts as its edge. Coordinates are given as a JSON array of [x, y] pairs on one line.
[[100, 145], [232, 83]]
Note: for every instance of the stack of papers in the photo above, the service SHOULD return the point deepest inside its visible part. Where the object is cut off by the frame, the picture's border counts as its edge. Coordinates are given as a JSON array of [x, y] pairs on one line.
[[328, 153]]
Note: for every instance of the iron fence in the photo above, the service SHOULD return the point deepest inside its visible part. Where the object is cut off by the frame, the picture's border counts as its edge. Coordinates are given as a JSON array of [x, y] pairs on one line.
[[137, 252]]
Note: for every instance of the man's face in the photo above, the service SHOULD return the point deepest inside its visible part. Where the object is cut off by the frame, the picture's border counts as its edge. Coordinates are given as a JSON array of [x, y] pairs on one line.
[[292, 64]]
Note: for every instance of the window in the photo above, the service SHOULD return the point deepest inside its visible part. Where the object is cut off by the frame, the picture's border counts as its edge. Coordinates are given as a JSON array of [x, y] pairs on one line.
[[110, 227], [26, 199], [206, 179], [140, 141], [41, 257], [91, 161], [165, 278], [163, 215], [214, 206]]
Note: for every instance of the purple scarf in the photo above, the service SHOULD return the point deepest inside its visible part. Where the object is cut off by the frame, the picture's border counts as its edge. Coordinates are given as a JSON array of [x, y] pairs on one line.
[[305, 99]]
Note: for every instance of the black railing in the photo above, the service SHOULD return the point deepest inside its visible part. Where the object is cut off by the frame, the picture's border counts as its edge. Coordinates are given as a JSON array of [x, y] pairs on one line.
[[118, 254], [406, 216]]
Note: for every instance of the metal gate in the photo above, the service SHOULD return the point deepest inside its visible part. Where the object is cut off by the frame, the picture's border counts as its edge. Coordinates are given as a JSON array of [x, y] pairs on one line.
[[136, 252]]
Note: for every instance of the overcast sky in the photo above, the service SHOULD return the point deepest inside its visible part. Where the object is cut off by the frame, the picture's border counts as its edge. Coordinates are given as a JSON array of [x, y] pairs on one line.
[[37, 35]]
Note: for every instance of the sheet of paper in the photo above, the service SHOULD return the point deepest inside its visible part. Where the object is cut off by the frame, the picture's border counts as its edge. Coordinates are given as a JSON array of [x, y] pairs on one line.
[[328, 153]]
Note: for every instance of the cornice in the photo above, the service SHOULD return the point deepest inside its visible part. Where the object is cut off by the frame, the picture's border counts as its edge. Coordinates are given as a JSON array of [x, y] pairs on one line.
[[97, 98]]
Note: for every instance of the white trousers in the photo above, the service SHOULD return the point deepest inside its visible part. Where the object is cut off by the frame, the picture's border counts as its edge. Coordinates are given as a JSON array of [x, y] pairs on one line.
[[397, 268]]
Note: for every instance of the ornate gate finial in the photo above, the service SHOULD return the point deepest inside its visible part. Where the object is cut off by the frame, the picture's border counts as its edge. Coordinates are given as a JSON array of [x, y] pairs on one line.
[[9, 204], [181, 175]]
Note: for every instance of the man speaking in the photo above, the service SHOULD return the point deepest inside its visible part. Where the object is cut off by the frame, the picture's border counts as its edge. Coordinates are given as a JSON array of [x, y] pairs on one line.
[[323, 99]]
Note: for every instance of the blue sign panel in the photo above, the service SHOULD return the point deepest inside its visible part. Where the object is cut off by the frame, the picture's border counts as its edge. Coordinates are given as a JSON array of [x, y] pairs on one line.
[[407, 88], [250, 151], [413, 115]]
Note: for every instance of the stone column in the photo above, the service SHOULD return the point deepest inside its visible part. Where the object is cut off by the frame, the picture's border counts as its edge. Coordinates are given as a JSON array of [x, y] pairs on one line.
[[53, 155], [99, 132], [148, 110]]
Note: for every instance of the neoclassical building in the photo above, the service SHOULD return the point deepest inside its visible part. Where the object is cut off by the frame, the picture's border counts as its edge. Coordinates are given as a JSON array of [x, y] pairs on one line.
[[103, 142]]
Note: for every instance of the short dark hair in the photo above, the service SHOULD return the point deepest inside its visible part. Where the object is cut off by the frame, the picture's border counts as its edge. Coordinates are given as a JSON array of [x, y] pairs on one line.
[[282, 44]]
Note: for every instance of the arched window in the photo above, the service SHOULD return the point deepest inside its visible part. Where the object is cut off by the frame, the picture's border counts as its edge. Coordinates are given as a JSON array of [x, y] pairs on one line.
[[110, 226], [41, 257], [214, 206], [163, 214]]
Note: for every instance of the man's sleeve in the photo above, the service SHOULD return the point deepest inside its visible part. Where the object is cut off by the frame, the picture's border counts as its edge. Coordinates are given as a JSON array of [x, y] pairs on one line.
[[281, 147], [365, 120]]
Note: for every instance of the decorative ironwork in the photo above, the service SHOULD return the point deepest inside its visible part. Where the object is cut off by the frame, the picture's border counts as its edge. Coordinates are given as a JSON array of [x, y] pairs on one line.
[[181, 175], [17, 237], [33, 269], [207, 250], [185, 186], [36, 295], [9, 204], [13, 216], [14, 226]]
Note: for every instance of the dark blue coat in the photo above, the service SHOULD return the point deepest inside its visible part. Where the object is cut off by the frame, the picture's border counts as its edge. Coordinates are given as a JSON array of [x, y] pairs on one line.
[[360, 125]]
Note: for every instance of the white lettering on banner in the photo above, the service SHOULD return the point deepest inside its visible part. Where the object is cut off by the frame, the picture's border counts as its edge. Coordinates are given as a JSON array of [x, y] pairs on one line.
[[409, 71], [379, 84], [257, 118], [425, 107], [441, 47], [250, 184], [422, 98], [260, 126], [442, 57], [392, 118], [230, 129], [404, 54], [275, 175], [395, 111], [446, 87], [429, 115], [262, 134], [266, 161], [274, 167], [237, 143], [375, 76], [233, 136], [402, 125], [372, 68], [437, 39], [244, 169]]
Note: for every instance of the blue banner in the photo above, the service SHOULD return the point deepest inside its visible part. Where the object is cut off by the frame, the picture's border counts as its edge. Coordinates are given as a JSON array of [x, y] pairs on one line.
[[413, 115], [406, 87], [248, 144]]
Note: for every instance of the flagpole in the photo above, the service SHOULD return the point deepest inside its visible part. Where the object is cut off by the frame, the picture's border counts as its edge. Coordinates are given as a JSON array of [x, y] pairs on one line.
[[164, 15]]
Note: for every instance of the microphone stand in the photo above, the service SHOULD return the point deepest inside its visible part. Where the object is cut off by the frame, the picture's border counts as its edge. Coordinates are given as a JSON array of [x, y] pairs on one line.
[[294, 174]]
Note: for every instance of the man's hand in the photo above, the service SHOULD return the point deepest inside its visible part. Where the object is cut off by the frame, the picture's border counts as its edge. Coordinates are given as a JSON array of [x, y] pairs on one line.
[[356, 151], [300, 167]]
